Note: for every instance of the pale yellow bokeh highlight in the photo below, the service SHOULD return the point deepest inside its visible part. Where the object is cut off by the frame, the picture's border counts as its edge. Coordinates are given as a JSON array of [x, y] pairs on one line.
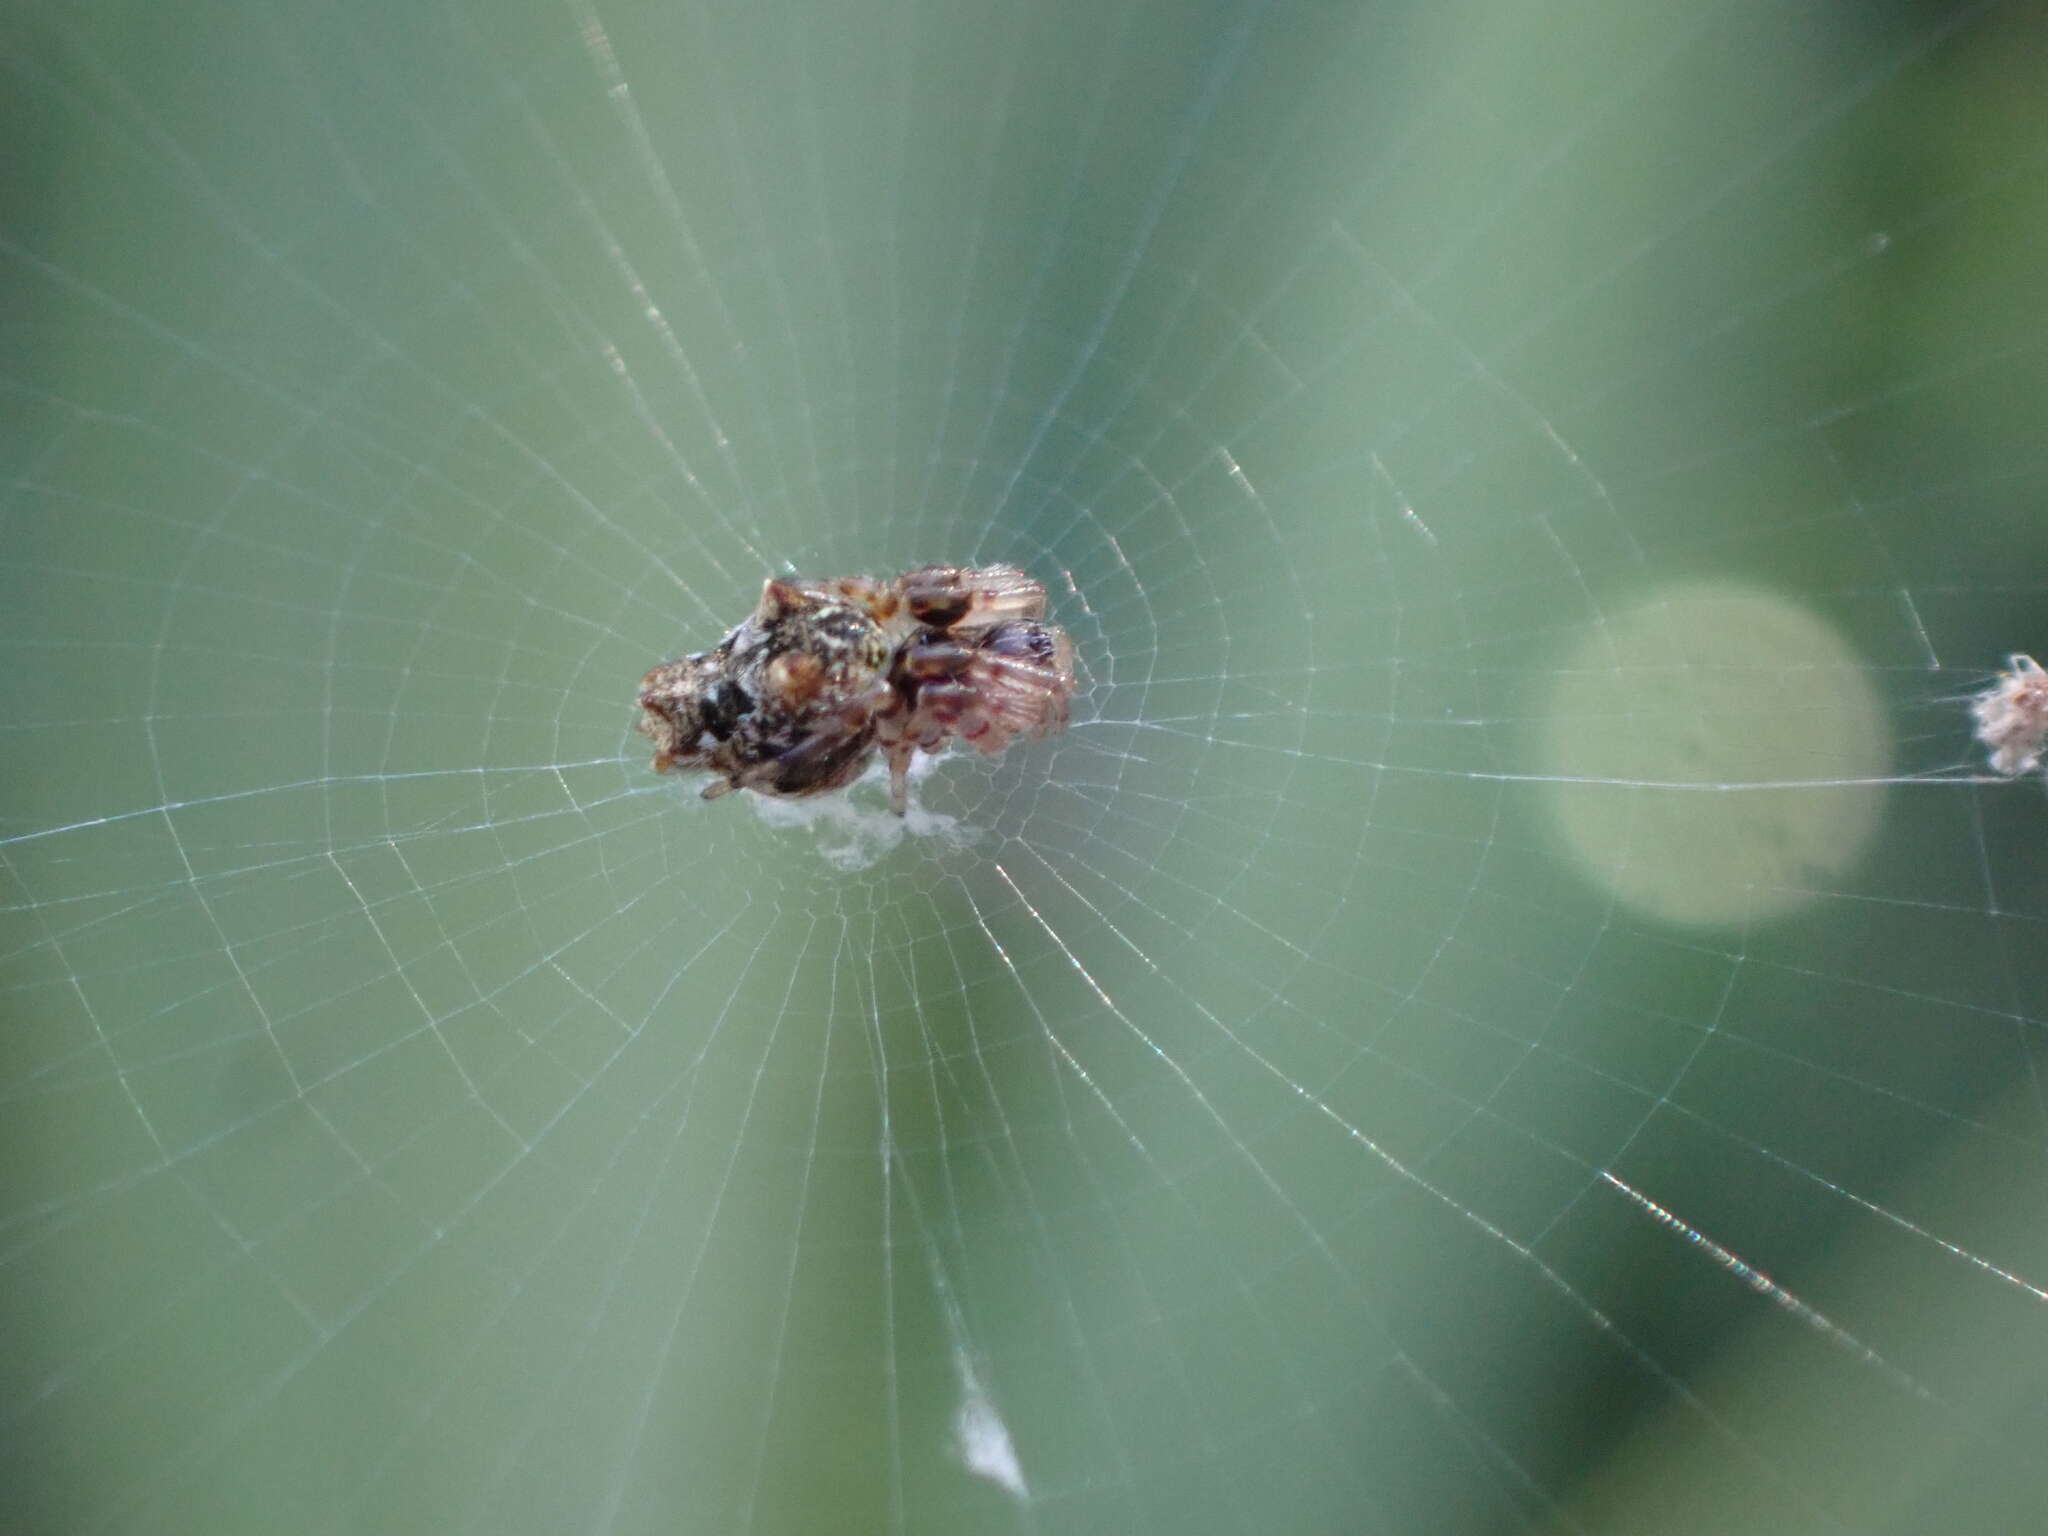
[[1718, 755]]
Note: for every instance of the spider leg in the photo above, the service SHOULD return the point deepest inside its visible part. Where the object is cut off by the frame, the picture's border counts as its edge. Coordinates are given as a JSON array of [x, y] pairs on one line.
[[899, 774], [830, 758], [985, 686], [1048, 654], [943, 596], [1022, 676], [956, 709]]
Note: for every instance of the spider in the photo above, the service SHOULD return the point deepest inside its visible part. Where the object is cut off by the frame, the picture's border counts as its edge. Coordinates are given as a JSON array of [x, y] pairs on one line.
[[825, 672]]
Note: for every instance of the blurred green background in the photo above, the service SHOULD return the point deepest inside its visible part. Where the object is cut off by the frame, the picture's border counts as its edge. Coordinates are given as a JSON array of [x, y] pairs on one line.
[[1515, 1005]]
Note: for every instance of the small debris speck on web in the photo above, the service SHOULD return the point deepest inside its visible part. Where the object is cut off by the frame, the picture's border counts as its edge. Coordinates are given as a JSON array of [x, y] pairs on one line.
[[2012, 716]]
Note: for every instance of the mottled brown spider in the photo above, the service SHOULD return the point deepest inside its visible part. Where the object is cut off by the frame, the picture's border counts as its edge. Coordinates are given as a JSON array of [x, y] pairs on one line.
[[825, 672]]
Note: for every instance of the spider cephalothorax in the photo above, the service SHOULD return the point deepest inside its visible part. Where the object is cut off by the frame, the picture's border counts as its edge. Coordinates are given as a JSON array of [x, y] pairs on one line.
[[825, 672]]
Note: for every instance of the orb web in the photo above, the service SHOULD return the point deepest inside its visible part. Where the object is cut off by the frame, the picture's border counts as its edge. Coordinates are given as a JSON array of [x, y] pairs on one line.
[[1346, 1081]]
